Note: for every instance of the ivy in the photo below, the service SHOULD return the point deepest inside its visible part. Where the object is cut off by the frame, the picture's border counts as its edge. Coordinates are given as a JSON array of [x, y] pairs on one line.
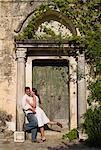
[[95, 92], [85, 15]]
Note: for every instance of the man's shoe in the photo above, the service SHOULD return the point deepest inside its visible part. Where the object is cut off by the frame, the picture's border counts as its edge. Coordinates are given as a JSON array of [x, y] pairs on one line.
[[35, 141]]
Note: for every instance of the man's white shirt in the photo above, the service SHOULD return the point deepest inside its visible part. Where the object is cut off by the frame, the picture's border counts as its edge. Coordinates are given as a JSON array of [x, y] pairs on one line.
[[25, 104]]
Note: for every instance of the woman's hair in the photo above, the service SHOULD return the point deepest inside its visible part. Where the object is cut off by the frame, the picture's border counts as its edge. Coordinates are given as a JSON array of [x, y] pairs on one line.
[[35, 90]]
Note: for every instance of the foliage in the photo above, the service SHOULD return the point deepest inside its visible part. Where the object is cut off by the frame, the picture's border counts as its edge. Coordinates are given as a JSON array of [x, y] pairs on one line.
[[72, 135], [48, 33], [93, 52], [92, 126], [85, 15], [95, 92]]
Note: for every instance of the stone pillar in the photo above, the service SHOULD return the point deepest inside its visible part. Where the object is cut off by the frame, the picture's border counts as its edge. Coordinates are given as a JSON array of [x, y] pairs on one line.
[[73, 92], [29, 72], [20, 57], [82, 104]]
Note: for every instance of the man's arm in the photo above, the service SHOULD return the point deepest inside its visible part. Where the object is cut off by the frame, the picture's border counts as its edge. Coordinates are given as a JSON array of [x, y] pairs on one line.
[[32, 106], [23, 103]]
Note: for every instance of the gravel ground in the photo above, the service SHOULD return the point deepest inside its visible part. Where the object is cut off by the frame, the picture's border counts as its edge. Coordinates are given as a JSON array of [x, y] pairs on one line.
[[54, 142]]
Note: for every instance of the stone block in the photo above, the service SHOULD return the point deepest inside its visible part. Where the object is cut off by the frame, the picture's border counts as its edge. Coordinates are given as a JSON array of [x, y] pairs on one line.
[[82, 136], [19, 136]]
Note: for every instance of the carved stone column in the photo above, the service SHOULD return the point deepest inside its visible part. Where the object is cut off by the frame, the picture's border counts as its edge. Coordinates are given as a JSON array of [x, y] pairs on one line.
[[82, 104], [20, 57]]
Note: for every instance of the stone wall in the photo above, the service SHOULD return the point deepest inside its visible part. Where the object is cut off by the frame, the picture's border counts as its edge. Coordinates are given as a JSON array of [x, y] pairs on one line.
[[12, 12]]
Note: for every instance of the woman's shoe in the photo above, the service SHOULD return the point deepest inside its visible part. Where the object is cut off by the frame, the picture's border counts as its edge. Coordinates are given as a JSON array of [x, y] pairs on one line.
[[59, 124], [43, 140]]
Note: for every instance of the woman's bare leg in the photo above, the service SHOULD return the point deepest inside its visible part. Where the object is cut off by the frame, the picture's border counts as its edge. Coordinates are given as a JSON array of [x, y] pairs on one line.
[[42, 134], [55, 123]]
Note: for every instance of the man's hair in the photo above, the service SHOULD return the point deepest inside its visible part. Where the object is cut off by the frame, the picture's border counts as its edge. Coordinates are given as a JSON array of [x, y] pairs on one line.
[[27, 88]]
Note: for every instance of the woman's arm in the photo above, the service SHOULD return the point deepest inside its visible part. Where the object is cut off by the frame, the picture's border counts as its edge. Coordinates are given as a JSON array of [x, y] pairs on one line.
[[34, 102]]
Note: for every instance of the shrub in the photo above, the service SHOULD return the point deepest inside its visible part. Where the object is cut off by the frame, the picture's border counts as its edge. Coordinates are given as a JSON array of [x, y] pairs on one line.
[[73, 134], [92, 126]]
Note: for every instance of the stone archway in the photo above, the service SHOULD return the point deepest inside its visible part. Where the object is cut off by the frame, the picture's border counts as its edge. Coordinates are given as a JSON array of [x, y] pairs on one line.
[[27, 48], [47, 16]]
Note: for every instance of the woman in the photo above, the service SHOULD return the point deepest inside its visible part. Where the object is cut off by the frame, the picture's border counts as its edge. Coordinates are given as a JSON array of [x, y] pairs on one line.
[[40, 114]]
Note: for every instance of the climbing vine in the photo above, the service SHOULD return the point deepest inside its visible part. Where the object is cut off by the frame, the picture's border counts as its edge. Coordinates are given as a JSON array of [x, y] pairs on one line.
[[84, 15]]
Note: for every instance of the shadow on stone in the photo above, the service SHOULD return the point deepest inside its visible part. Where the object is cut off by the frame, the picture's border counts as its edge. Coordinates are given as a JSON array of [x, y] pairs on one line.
[[72, 146], [46, 127]]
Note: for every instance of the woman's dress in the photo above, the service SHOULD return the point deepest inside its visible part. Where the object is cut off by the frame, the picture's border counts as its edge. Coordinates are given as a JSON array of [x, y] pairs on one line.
[[40, 114]]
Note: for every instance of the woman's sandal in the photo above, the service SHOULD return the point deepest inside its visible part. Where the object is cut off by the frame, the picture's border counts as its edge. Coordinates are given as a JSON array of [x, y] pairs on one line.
[[43, 140], [59, 124]]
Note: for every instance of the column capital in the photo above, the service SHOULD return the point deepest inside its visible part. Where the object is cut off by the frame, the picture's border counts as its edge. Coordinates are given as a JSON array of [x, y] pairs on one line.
[[21, 53]]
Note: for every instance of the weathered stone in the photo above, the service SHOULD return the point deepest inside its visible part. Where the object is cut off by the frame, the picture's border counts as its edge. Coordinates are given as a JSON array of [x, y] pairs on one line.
[[73, 93], [82, 104], [11, 13]]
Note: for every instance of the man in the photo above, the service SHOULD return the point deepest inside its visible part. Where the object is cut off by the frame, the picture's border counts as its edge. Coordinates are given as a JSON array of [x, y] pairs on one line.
[[28, 110]]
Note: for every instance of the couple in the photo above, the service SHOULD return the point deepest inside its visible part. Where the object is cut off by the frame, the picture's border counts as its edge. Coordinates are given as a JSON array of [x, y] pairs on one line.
[[35, 115]]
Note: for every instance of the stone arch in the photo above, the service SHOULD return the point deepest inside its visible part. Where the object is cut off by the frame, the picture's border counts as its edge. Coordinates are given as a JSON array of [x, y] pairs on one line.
[[47, 16], [56, 16]]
